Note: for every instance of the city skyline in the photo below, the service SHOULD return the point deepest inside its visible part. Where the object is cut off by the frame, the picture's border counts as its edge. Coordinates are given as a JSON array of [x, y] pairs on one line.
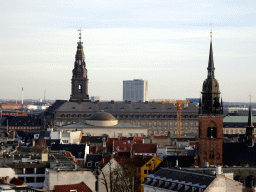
[[165, 42]]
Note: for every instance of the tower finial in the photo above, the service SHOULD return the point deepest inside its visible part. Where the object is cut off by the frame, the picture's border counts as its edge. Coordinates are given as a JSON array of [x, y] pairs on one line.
[[211, 31], [250, 98], [80, 36]]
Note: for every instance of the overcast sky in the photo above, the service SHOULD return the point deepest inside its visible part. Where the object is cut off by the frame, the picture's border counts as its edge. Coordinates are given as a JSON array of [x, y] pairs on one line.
[[165, 42]]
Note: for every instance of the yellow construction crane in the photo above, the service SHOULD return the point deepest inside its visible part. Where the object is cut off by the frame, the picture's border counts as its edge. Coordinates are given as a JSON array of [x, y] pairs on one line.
[[178, 104]]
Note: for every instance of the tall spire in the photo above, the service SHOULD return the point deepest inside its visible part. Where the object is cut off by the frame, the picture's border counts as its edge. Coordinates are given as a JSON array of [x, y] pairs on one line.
[[250, 128], [250, 123], [211, 62], [210, 104], [79, 81]]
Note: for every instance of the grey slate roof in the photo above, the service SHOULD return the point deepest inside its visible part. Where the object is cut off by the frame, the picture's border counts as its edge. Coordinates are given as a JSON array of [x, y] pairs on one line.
[[77, 150], [239, 154], [119, 108], [92, 139], [93, 159], [174, 177], [23, 121]]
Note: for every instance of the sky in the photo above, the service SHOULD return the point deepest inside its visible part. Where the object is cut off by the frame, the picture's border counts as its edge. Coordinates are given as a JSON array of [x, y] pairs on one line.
[[163, 41]]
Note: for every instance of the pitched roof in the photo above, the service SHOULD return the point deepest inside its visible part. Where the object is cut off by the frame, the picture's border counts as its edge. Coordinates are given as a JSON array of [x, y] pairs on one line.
[[180, 176], [93, 158], [23, 121], [238, 154], [160, 136], [237, 119], [140, 160], [137, 138], [122, 160], [125, 107], [82, 187], [121, 145], [144, 148], [92, 139], [77, 150]]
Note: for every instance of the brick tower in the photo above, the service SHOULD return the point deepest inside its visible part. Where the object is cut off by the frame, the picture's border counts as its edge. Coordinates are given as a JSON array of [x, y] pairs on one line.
[[210, 119], [79, 81]]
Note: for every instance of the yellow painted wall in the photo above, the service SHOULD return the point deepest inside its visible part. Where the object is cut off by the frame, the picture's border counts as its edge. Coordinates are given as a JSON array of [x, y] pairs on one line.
[[149, 166]]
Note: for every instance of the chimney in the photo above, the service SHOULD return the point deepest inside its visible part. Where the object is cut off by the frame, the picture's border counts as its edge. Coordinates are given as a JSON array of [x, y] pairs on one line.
[[7, 179], [218, 170], [169, 134]]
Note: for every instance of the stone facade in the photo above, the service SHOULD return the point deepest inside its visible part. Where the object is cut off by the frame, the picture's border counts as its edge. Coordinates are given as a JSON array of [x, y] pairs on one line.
[[154, 126]]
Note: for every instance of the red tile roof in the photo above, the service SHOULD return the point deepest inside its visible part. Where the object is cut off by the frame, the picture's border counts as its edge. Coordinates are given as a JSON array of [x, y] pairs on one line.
[[71, 156], [121, 146], [137, 138], [82, 187], [184, 139], [160, 136], [144, 148], [16, 181], [10, 104], [119, 159]]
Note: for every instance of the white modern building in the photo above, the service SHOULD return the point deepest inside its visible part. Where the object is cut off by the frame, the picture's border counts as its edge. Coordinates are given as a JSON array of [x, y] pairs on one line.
[[135, 90]]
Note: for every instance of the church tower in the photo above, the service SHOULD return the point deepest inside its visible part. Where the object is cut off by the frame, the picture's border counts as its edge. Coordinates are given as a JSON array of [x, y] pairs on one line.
[[250, 130], [79, 81], [210, 119]]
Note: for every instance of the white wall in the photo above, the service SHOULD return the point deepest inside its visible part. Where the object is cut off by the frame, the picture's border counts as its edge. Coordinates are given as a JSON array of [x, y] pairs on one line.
[[69, 177], [75, 137], [112, 132], [55, 135], [7, 171]]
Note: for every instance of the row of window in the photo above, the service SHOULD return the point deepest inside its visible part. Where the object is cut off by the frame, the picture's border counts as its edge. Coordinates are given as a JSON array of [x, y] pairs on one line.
[[211, 155], [121, 134], [22, 128], [150, 124], [173, 128], [129, 116]]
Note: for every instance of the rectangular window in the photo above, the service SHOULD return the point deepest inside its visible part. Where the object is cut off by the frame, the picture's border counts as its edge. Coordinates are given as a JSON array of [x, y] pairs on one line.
[[145, 171]]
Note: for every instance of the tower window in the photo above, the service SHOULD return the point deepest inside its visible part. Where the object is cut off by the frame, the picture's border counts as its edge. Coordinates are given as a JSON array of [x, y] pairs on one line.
[[211, 155], [211, 132], [80, 89]]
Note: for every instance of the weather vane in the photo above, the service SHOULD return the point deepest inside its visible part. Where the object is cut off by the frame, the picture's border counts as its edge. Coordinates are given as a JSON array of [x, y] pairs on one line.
[[80, 35]]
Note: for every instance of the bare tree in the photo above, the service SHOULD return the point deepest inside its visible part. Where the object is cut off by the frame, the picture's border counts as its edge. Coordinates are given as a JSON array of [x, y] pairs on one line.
[[122, 178]]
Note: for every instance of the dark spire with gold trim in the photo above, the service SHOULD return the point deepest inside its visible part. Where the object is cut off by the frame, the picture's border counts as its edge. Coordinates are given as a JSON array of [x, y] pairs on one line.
[[210, 104], [211, 62]]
